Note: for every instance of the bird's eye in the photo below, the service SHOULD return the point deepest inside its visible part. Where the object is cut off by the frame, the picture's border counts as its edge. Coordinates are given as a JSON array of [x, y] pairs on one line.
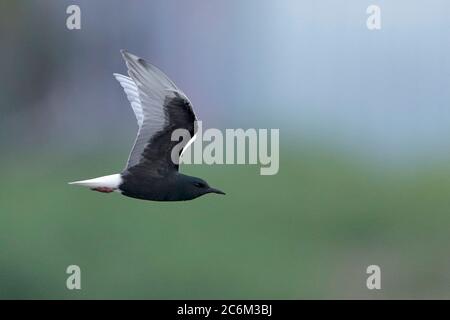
[[199, 184]]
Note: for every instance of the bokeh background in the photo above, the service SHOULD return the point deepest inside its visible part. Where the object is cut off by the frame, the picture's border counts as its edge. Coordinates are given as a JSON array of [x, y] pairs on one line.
[[364, 178]]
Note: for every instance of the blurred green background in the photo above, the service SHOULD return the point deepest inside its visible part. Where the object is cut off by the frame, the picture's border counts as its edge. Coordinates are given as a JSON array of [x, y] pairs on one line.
[[364, 168]]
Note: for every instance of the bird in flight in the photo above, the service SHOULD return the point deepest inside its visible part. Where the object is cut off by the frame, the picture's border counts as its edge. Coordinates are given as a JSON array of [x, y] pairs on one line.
[[152, 171]]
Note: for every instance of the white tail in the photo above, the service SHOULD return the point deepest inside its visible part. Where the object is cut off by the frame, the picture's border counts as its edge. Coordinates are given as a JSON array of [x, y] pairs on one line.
[[112, 181]]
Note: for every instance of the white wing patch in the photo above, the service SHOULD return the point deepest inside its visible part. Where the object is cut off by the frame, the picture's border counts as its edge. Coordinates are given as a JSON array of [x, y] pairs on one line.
[[132, 93], [188, 144]]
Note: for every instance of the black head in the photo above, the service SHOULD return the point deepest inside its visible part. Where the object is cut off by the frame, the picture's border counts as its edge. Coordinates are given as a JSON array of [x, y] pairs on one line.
[[196, 187]]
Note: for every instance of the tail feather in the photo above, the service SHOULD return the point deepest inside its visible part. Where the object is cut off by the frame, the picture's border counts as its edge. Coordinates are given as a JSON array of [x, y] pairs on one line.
[[112, 181]]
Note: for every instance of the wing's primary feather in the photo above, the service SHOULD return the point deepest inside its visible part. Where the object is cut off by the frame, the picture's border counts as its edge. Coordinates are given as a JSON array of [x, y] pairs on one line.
[[132, 93], [164, 108]]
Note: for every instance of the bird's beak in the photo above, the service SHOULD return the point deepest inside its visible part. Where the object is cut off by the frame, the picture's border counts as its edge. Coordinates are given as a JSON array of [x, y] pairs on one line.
[[214, 190]]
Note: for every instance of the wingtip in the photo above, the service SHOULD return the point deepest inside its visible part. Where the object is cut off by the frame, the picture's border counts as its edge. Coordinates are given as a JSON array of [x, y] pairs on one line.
[[127, 55], [132, 58]]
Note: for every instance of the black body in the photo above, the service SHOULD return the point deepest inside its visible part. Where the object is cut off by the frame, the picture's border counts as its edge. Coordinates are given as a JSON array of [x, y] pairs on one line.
[[137, 183]]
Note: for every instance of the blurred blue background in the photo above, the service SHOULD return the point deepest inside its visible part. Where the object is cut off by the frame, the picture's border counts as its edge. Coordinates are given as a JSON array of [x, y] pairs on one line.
[[364, 178]]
